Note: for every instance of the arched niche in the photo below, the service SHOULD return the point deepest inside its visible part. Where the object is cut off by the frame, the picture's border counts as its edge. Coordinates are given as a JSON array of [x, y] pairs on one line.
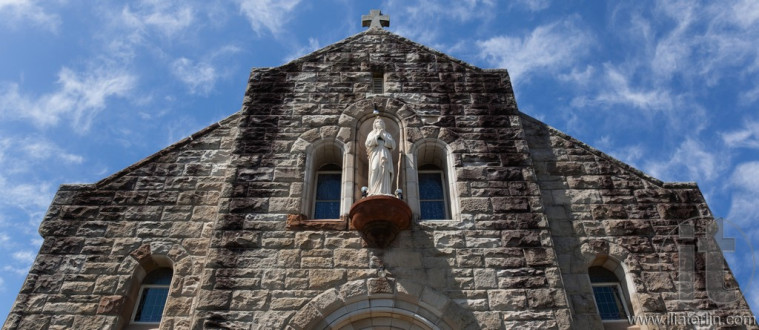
[[363, 127]]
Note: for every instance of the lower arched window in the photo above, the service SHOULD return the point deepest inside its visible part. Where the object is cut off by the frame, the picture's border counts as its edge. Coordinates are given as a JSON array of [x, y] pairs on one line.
[[152, 296], [608, 294], [432, 193], [430, 180], [327, 197], [325, 194]]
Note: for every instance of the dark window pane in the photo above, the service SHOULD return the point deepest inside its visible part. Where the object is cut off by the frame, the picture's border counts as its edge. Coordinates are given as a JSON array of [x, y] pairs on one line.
[[159, 276], [432, 210], [151, 304], [599, 274], [327, 210], [328, 186], [609, 303], [430, 186]]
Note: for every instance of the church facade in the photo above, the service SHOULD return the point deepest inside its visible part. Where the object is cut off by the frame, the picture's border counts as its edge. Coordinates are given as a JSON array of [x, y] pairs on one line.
[[250, 223]]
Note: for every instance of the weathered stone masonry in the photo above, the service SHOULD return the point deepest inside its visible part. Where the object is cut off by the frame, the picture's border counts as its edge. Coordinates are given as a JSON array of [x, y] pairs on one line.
[[536, 209]]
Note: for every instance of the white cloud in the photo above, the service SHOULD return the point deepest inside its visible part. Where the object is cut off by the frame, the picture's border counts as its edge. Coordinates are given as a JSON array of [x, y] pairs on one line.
[[164, 16], [547, 49], [461, 11], [533, 5], [618, 91], [580, 77], [629, 154], [313, 44], [746, 176], [25, 256], [199, 77], [20, 271], [17, 13], [28, 196], [746, 137], [19, 156], [79, 98], [710, 36], [749, 96], [421, 20], [43, 150], [267, 14], [744, 209], [690, 161]]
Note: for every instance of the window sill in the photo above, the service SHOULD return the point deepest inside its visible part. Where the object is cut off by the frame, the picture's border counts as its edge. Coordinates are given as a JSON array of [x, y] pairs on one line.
[[300, 222]]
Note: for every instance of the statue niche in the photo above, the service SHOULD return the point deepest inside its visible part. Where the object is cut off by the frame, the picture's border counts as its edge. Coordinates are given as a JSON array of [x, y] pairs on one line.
[[379, 215], [379, 144]]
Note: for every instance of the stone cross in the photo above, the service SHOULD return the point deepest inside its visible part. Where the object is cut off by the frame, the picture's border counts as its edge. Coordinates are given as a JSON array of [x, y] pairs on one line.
[[375, 19]]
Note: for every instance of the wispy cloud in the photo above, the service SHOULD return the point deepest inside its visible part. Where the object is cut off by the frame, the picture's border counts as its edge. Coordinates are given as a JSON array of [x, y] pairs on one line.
[[745, 137], [744, 209], [17, 14], [28, 196], [166, 17], [268, 15], [619, 91], [79, 97], [533, 5], [690, 161], [421, 20], [313, 44], [24, 150], [24, 256], [199, 77], [548, 49]]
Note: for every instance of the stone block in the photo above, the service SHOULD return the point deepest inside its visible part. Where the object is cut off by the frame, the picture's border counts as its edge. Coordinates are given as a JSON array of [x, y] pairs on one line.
[[510, 204], [507, 300], [325, 278], [628, 227], [351, 258], [475, 205], [485, 279]]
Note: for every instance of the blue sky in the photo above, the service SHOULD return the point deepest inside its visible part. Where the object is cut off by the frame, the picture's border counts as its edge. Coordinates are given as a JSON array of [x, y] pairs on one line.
[[88, 88]]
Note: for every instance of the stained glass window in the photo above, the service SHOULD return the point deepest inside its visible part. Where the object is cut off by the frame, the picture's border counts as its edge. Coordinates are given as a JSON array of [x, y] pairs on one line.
[[606, 290], [153, 294], [432, 196], [608, 302], [327, 205]]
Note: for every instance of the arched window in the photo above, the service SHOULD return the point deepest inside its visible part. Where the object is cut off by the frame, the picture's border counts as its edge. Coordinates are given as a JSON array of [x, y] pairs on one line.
[[433, 203], [152, 296], [609, 296], [326, 185], [430, 181], [327, 196]]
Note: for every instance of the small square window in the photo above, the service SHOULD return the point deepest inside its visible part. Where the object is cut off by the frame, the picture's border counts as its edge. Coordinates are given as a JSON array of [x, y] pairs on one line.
[[378, 83]]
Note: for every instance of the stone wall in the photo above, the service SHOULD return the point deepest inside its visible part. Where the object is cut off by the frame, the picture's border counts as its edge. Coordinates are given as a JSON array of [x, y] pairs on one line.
[[96, 236], [598, 207], [496, 262]]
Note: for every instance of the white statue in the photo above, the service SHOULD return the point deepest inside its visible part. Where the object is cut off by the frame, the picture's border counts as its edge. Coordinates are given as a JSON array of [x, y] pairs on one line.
[[379, 143]]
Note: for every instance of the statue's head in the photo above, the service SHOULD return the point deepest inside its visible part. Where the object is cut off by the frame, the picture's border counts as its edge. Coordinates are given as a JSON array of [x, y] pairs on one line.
[[379, 124]]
